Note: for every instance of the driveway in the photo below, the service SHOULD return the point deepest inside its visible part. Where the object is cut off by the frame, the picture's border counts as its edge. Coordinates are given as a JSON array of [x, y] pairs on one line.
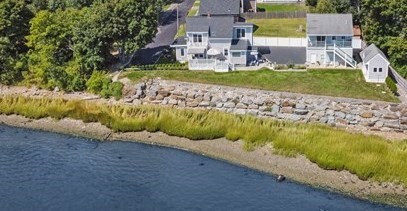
[[284, 55], [165, 35]]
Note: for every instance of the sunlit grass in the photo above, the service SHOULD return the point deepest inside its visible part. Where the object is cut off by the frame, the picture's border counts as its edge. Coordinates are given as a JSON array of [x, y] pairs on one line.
[[336, 83]]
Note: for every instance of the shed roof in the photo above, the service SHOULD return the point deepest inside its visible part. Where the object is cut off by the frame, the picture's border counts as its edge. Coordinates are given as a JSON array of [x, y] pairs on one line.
[[329, 24], [217, 27], [368, 53], [219, 7]]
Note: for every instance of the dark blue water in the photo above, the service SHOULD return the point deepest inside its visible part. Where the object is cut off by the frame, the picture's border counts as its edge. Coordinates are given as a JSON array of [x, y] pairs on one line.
[[47, 171]]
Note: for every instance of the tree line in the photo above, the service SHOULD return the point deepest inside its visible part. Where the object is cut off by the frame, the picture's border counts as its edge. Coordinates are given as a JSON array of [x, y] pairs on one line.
[[383, 22], [61, 43]]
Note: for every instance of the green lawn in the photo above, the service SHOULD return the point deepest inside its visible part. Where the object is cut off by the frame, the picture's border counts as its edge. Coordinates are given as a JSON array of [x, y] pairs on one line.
[[280, 7], [279, 27], [337, 83], [181, 31], [193, 11]]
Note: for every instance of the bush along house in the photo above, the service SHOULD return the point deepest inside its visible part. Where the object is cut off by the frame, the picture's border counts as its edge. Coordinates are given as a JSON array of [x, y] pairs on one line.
[[330, 40]]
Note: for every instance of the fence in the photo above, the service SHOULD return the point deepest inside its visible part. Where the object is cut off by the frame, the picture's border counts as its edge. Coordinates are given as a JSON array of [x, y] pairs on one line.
[[274, 15], [209, 64], [280, 41], [398, 78]]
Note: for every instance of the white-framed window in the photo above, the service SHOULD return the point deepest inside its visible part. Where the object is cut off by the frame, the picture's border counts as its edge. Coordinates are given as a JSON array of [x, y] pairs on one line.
[[225, 52], [236, 54], [380, 70], [240, 33], [375, 70], [197, 38], [182, 52]]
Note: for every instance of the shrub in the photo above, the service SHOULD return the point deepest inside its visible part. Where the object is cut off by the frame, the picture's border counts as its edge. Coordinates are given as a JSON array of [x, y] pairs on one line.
[[392, 86], [97, 82], [290, 66], [116, 90]]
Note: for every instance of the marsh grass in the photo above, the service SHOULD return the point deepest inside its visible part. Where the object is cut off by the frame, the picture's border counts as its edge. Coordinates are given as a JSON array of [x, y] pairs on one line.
[[369, 157]]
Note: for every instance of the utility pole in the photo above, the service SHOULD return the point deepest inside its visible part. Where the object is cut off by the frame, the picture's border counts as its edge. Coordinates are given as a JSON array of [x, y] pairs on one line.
[[177, 19]]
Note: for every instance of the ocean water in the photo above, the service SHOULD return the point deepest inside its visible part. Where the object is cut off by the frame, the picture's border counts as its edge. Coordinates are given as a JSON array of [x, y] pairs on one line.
[[48, 171]]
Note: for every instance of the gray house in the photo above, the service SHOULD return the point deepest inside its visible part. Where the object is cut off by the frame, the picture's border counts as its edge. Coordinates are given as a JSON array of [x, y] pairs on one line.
[[330, 40], [226, 7], [216, 43], [375, 64]]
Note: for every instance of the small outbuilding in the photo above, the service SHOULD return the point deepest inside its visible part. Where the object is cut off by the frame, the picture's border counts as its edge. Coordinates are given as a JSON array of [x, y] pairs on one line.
[[375, 64]]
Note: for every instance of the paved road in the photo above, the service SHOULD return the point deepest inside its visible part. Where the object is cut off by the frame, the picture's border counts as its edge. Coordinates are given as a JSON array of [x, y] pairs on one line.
[[165, 36]]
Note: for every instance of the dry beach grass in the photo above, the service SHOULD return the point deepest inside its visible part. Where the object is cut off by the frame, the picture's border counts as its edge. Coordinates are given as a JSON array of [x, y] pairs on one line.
[[378, 166]]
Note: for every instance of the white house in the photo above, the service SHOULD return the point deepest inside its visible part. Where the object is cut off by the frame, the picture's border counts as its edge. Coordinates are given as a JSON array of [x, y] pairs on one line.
[[329, 39], [215, 43], [375, 64]]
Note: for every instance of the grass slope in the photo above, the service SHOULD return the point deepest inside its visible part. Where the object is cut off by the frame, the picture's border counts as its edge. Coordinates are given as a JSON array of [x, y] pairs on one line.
[[279, 27], [369, 157], [337, 83]]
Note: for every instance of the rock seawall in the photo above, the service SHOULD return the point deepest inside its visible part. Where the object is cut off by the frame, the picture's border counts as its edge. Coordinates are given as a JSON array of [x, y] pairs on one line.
[[339, 112]]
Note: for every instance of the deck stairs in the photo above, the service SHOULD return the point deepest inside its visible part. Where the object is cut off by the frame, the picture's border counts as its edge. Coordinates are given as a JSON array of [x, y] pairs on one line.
[[343, 55]]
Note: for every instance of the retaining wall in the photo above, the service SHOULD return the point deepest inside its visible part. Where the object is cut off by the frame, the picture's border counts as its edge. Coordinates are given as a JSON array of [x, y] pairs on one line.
[[339, 112]]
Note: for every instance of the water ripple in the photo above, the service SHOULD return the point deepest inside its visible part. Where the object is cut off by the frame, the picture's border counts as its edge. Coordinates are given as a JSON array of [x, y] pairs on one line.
[[47, 171]]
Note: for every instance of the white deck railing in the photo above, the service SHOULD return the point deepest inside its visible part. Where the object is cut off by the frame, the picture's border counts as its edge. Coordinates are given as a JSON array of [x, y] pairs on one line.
[[208, 64]]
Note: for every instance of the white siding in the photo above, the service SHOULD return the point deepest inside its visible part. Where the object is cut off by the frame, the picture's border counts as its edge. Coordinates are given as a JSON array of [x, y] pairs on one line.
[[249, 32], [377, 77], [242, 60], [178, 55]]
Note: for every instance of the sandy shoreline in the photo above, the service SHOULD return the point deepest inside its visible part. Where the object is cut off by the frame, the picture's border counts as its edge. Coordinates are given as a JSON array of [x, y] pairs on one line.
[[298, 169]]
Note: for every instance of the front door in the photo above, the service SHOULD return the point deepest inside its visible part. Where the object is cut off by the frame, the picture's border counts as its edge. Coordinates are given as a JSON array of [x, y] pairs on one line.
[[313, 58]]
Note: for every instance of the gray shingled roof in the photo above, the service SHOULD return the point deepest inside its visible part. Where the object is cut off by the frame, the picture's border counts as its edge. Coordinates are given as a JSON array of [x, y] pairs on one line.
[[219, 7], [180, 41], [368, 53], [329, 24], [219, 27], [240, 44]]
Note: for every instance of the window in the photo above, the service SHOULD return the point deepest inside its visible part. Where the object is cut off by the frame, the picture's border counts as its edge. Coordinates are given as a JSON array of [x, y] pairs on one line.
[[226, 52], [333, 38], [235, 54], [197, 38], [380, 70], [375, 70], [321, 38], [182, 52], [240, 33]]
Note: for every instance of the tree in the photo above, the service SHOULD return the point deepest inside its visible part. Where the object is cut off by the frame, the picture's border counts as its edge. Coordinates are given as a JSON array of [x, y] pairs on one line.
[[51, 54], [385, 24], [342, 6], [311, 3], [397, 51], [14, 26], [325, 6]]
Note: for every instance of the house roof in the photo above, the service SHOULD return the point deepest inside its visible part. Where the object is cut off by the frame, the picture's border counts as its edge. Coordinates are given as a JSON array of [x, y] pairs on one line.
[[370, 52], [329, 24], [217, 27], [219, 7], [180, 41], [239, 44], [243, 24]]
